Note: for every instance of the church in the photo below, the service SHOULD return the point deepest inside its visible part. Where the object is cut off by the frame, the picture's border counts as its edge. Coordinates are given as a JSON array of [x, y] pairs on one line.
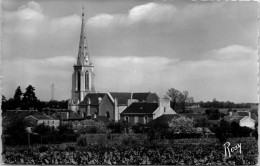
[[89, 104]]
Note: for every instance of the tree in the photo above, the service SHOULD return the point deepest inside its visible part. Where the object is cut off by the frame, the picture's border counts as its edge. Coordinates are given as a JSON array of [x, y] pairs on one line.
[[16, 129], [139, 128], [182, 125], [42, 130], [65, 129], [29, 98], [201, 122], [174, 95], [118, 127], [18, 97], [3, 104], [179, 99]]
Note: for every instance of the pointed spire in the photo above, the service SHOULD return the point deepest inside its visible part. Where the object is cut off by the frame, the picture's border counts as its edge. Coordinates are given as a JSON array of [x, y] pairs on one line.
[[83, 57]]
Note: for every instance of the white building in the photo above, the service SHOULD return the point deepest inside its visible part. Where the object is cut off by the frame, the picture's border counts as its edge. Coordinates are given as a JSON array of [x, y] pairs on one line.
[[36, 120]]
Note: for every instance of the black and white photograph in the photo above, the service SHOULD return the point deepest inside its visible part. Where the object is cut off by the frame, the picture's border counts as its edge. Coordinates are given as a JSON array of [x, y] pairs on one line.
[[129, 82]]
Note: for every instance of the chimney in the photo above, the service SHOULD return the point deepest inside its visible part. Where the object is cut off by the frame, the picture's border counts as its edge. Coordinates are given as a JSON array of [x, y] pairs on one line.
[[116, 110], [230, 113], [99, 100], [165, 102], [129, 102], [249, 114]]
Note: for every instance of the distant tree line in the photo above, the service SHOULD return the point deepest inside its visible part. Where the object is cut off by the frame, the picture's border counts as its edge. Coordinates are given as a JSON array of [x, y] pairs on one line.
[[221, 104], [28, 100]]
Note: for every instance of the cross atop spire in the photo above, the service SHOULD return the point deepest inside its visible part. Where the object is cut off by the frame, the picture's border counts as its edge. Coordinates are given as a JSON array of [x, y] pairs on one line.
[[83, 56], [82, 10]]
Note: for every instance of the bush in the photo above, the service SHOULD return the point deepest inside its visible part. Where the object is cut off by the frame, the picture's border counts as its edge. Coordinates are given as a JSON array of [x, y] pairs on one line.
[[43, 149], [129, 140], [81, 141], [139, 128], [101, 140]]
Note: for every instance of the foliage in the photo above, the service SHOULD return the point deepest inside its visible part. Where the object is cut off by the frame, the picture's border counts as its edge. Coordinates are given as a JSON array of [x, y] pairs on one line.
[[118, 127], [29, 99], [4, 104], [65, 129], [18, 97], [180, 100], [42, 129], [16, 130], [81, 141], [128, 140], [139, 128], [222, 104], [213, 114], [57, 104], [182, 125], [201, 122]]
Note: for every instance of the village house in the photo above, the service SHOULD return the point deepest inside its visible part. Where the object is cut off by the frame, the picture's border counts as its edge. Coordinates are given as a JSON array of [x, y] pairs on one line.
[[144, 112], [243, 118], [35, 120]]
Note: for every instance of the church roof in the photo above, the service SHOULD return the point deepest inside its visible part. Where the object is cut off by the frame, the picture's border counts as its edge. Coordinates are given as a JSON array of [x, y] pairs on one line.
[[146, 97], [122, 97], [141, 108], [93, 98]]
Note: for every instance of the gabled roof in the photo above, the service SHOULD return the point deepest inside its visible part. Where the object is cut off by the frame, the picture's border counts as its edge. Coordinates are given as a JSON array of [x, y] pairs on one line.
[[253, 116], [93, 98], [122, 97], [146, 97], [244, 113], [18, 114], [42, 117], [72, 116], [233, 118], [141, 108], [167, 117]]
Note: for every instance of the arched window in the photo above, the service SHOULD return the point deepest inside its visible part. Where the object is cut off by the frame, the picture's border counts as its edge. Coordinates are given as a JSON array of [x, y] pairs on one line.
[[78, 80], [107, 115], [86, 80]]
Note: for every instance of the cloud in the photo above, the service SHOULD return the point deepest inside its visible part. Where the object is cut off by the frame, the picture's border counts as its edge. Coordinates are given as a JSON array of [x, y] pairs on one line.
[[216, 75], [150, 12], [235, 53], [30, 23], [40, 73]]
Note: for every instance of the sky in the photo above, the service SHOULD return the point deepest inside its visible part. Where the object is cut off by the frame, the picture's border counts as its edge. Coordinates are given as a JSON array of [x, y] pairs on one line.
[[206, 48]]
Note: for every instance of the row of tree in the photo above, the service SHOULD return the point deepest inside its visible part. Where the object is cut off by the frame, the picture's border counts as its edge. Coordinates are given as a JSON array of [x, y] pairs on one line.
[[182, 100], [221, 104], [28, 100]]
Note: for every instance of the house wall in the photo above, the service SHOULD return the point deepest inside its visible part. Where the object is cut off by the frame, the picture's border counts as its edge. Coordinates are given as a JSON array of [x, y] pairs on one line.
[[107, 105], [52, 123], [247, 122], [137, 118], [119, 109]]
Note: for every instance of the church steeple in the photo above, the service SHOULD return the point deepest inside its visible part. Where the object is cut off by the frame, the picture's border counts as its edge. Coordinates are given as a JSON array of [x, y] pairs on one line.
[[83, 56], [83, 74]]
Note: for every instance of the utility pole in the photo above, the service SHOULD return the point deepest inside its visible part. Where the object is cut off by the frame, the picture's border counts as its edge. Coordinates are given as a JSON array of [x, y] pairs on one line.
[[52, 91]]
